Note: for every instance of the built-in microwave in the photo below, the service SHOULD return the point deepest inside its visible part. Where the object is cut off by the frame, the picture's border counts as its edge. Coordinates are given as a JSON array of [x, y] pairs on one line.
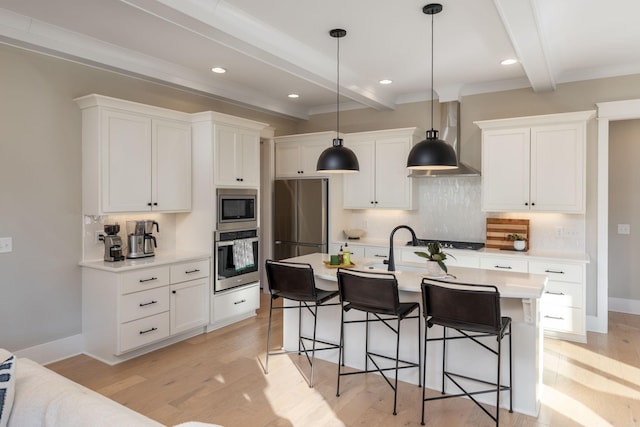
[[237, 209]]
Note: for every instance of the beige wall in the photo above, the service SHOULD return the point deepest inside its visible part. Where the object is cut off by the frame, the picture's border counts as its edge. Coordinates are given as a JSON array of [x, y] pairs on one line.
[[624, 208], [40, 184]]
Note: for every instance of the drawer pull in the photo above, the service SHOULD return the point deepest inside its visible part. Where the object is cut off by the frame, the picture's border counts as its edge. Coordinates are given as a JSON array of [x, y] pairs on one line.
[[553, 271], [144, 304], [505, 267], [380, 256], [554, 293], [197, 270], [148, 330], [148, 280], [239, 302], [553, 317]]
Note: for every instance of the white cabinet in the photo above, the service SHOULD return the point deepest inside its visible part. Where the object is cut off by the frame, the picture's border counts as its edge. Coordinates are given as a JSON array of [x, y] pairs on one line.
[[535, 163], [135, 311], [236, 157], [297, 155], [235, 304], [504, 264], [189, 296], [563, 304], [383, 180], [135, 158]]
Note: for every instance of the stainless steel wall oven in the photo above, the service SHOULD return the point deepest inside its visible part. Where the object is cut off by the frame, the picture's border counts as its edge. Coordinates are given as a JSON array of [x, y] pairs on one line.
[[235, 259]]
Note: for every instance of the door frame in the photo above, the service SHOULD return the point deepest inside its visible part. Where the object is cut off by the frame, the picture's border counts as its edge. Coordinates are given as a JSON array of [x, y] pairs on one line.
[[607, 112]]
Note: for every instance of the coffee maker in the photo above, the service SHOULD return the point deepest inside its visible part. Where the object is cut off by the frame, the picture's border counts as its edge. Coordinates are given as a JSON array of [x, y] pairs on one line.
[[112, 243], [150, 242], [142, 242]]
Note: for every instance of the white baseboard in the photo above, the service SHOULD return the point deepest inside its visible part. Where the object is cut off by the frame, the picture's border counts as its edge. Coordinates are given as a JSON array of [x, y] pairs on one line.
[[55, 350], [623, 305]]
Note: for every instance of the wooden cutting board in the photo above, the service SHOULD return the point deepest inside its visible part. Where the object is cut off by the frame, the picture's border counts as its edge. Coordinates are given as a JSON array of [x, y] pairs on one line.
[[499, 228]]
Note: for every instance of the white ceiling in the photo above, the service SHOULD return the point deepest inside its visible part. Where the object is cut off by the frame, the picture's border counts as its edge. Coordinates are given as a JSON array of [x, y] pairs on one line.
[[273, 48]]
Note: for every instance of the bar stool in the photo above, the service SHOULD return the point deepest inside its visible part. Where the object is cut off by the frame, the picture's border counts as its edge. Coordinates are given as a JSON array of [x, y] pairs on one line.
[[474, 312], [295, 281], [375, 294]]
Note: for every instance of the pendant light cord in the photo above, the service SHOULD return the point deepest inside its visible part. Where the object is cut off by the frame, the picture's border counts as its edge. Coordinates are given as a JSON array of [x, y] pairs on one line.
[[432, 72], [338, 90]]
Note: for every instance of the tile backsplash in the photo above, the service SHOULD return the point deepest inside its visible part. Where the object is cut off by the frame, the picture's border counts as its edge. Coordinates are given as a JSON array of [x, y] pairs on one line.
[[450, 209]]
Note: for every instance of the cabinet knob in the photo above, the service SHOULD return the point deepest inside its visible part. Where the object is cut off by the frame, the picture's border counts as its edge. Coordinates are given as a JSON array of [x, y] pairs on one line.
[[155, 204], [149, 204], [526, 203], [174, 292], [533, 204]]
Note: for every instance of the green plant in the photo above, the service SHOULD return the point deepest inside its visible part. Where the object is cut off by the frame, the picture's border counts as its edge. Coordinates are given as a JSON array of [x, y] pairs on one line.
[[435, 253], [516, 236]]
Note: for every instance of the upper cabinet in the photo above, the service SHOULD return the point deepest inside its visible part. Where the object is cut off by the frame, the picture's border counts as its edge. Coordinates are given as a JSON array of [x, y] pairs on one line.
[[535, 163], [135, 158], [297, 155], [383, 180], [237, 156]]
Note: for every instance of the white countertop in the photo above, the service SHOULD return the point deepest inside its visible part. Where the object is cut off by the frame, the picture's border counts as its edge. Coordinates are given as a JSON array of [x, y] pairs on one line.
[[160, 258], [531, 254], [510, 284]]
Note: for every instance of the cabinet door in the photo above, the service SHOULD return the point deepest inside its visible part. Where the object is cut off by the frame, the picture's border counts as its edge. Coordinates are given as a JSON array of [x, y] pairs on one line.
[[359, 188], [392, 184], [248, 158], [126, 162], [309, 153], [171, 166], [287, 164], [225, 172], [505, 170], [557, 168], [237, 157], [189, 305]]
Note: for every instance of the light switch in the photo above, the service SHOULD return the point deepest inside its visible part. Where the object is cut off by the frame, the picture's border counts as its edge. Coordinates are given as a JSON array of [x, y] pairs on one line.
[[6, 244], [624, 228]]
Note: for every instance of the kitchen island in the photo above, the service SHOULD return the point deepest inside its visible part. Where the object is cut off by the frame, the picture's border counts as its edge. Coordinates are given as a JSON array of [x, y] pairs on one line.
[[520, 293]]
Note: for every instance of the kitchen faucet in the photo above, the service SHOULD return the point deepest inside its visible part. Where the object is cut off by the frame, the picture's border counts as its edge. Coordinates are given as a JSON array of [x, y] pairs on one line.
[[414, 242]]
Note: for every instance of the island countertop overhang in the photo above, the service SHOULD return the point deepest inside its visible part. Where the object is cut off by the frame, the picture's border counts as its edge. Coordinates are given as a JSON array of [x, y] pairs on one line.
[[509, 284]]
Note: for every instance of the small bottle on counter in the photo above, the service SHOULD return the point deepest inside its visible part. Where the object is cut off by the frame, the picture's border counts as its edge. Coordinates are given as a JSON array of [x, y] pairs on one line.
[[346, 256], [341, 256]]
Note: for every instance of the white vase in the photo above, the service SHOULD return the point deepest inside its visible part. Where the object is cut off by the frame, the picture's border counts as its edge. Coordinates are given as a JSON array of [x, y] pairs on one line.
[[519, 245], [434, 270]]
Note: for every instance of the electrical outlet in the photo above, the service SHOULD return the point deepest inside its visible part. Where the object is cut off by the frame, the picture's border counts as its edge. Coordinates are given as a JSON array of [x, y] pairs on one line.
[[99, 237], [6, 244], [624, 228]]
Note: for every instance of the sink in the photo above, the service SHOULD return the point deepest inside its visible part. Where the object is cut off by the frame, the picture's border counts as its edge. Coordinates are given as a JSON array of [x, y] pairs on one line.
[[399, 267]]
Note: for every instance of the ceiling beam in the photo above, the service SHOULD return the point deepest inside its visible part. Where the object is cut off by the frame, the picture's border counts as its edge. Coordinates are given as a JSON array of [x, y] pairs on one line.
[[521, 23]]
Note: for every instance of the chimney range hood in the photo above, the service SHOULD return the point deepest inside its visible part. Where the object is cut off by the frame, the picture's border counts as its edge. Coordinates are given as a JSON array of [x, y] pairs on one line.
[[450, 133]]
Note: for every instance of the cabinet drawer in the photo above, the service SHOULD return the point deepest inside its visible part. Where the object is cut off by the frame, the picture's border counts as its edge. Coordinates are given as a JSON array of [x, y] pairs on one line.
[[504, 264], [557, 272], [143, 331], [377, 252], [189, 271], [142, 304], [234, 303], [140, 280], [563, 319], [563, 294]]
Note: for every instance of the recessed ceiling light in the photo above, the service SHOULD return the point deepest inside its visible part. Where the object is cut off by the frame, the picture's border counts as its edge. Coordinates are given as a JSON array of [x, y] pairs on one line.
[[385, 82], [509, 61], [219, 70], [293, 95]]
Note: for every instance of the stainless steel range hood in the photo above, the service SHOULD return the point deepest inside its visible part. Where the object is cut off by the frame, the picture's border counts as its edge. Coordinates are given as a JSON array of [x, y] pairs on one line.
[[449, 133]]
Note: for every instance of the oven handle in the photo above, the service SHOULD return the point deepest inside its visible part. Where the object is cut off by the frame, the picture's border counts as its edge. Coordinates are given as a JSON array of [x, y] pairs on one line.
[[230, 242]]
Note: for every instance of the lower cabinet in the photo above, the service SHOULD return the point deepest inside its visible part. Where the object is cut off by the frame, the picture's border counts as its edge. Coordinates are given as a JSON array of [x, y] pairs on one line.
[[125, 312], [235, 304], [563, 304]]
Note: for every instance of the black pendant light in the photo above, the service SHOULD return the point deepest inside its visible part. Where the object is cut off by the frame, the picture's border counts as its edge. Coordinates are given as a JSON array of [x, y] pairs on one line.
[[338, 158], [432, 153]]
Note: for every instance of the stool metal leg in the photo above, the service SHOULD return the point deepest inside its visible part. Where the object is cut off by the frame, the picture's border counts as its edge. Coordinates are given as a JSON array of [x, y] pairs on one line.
[[266, 364], [395, 387], [444, 354], [313, 347], [424, 368], [340, 349], [498, 384], [510, 373]]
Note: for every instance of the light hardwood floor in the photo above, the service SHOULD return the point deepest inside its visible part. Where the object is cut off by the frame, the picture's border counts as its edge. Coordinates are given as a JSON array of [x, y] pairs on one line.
[[218, 378]]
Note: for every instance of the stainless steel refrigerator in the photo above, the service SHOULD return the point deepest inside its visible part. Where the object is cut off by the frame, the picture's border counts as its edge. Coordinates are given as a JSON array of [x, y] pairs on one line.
[[299, 217]]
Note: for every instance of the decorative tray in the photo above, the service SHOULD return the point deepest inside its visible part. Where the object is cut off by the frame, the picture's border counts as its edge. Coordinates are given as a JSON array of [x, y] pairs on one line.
[[328, 265]]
